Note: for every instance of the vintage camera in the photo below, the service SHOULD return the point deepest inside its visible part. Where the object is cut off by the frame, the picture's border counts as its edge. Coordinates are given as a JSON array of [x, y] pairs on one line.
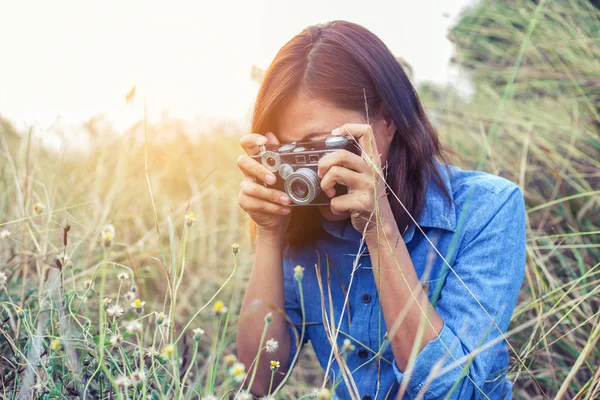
[[295, 166]]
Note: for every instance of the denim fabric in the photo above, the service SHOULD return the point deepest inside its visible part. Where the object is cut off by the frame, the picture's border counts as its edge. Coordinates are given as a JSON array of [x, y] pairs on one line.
[[481, 234]]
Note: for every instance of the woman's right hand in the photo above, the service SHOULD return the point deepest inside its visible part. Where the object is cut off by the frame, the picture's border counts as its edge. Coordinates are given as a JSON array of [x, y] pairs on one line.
[[268, 207]]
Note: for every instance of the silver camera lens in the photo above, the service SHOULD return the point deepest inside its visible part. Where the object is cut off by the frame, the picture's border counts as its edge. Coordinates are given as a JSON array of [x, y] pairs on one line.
[[302, 186]]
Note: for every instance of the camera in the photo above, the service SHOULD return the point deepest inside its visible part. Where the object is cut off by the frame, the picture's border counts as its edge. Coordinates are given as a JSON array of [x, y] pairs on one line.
[[295, 167]]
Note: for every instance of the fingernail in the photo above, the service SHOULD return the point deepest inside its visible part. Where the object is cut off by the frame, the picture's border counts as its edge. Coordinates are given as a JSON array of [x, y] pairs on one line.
[[330, 192], [284, 199], [261, 140], [336, 131], [285, 211], [270, 178]]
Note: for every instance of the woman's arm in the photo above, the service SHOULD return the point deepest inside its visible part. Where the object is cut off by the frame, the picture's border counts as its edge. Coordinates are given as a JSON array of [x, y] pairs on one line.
[[265, 293]]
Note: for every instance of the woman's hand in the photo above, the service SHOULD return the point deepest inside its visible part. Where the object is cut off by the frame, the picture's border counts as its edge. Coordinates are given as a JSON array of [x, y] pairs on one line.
[[269, 208], [363, 177]]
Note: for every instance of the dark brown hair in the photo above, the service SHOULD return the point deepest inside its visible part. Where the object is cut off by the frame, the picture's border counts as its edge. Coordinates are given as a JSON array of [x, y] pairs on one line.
[[346, 64]]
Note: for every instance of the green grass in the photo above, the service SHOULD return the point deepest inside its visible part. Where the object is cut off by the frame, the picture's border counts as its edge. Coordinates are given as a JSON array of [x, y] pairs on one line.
[[534, 119]]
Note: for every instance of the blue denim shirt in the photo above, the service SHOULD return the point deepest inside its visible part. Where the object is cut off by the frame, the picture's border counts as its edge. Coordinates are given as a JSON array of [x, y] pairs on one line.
[[481, 235]]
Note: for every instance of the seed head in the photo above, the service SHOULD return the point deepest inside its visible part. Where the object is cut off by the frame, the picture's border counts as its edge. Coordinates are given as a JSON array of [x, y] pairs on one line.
[[106, 301], [4, 234], [272, 345], [87, 284], [244, 396], [115, 311], [138, 376], [122, 382], [123, 276], [116, 340], [235, 248], [162, 319], [133, 327]]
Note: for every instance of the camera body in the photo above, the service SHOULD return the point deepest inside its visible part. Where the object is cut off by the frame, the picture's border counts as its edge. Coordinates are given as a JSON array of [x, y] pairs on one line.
[[295, 167]]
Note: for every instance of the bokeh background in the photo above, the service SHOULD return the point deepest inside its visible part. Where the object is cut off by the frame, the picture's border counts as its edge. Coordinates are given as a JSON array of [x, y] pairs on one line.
[[130, 113]]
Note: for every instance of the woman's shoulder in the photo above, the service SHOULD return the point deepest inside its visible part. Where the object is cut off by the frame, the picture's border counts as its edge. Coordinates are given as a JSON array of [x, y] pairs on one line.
[[482, 183], [484, 195]]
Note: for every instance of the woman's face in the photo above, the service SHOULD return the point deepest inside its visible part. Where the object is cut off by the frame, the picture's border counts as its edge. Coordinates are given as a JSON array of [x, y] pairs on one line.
[[306, 119]]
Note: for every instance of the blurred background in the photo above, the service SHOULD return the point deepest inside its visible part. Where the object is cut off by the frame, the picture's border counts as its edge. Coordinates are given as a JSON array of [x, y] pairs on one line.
[[130, 113]]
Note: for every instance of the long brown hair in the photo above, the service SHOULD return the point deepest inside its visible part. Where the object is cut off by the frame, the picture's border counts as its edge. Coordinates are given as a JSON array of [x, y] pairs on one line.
[[347, 65]]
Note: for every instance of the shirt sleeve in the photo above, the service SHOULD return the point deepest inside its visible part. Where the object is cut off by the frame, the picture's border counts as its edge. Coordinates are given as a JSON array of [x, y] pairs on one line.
[[293, 307], [491, 263]]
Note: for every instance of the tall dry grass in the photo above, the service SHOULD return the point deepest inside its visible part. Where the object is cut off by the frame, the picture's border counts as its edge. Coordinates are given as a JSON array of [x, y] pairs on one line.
[[534, 119]]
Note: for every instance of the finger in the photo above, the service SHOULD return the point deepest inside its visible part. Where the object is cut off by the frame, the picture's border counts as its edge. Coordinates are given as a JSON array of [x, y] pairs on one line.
[[350, 203], [253, 204], [271, 138], [343, 176], [253, 189], [251, 167], [252, 142], [343, 158], [362, 133]]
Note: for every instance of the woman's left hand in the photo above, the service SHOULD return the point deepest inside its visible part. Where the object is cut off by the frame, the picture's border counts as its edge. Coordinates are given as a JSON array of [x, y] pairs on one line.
[[363, 177]]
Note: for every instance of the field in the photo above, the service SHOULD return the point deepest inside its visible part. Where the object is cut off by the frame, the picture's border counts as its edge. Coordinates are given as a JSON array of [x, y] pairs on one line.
[[147, 219]]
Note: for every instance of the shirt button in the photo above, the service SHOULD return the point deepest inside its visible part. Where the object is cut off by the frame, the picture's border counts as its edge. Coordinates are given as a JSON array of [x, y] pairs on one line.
[[362, 353], [366, 298], [367, 397]]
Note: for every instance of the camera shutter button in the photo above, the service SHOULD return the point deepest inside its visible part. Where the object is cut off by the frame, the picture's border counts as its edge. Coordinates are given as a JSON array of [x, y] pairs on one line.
[[335, 141]]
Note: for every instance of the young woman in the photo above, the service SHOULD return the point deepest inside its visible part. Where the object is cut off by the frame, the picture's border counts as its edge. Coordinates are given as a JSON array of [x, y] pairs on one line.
[[420, 263]]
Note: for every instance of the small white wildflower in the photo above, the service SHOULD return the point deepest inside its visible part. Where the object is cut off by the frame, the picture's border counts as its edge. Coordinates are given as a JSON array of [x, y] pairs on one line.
[[267, 398], [347, 347], [229, 360], [123, 276], [115, 311], [3, 278], [209, 397], [133, 327], [4, 234], [244, 396], [272, 345], [190, 219], [138, 304], [39, 208], [122, 382], [107, 235], [198, 333], [238, 371], [275, 365], [298, 272]]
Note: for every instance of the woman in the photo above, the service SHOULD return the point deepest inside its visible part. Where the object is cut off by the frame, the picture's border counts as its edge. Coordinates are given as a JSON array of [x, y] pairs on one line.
[[412, 276]]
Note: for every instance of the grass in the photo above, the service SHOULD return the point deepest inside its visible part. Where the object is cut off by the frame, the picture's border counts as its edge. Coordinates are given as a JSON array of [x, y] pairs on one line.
[[534, 119]]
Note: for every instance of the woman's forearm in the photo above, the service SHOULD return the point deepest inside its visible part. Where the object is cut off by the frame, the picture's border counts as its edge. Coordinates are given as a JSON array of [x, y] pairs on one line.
[[264, 294], [404, 302]]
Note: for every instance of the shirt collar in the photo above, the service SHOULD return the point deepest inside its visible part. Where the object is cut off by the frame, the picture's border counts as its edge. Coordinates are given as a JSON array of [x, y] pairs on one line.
[[437, 212]]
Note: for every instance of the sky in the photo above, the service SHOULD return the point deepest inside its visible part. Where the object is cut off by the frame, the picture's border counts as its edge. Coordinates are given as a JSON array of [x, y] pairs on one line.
[[74, 59]]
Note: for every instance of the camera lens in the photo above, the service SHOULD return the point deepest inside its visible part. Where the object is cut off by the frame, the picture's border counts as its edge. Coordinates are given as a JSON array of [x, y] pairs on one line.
[[299, 188], [302, 186]]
